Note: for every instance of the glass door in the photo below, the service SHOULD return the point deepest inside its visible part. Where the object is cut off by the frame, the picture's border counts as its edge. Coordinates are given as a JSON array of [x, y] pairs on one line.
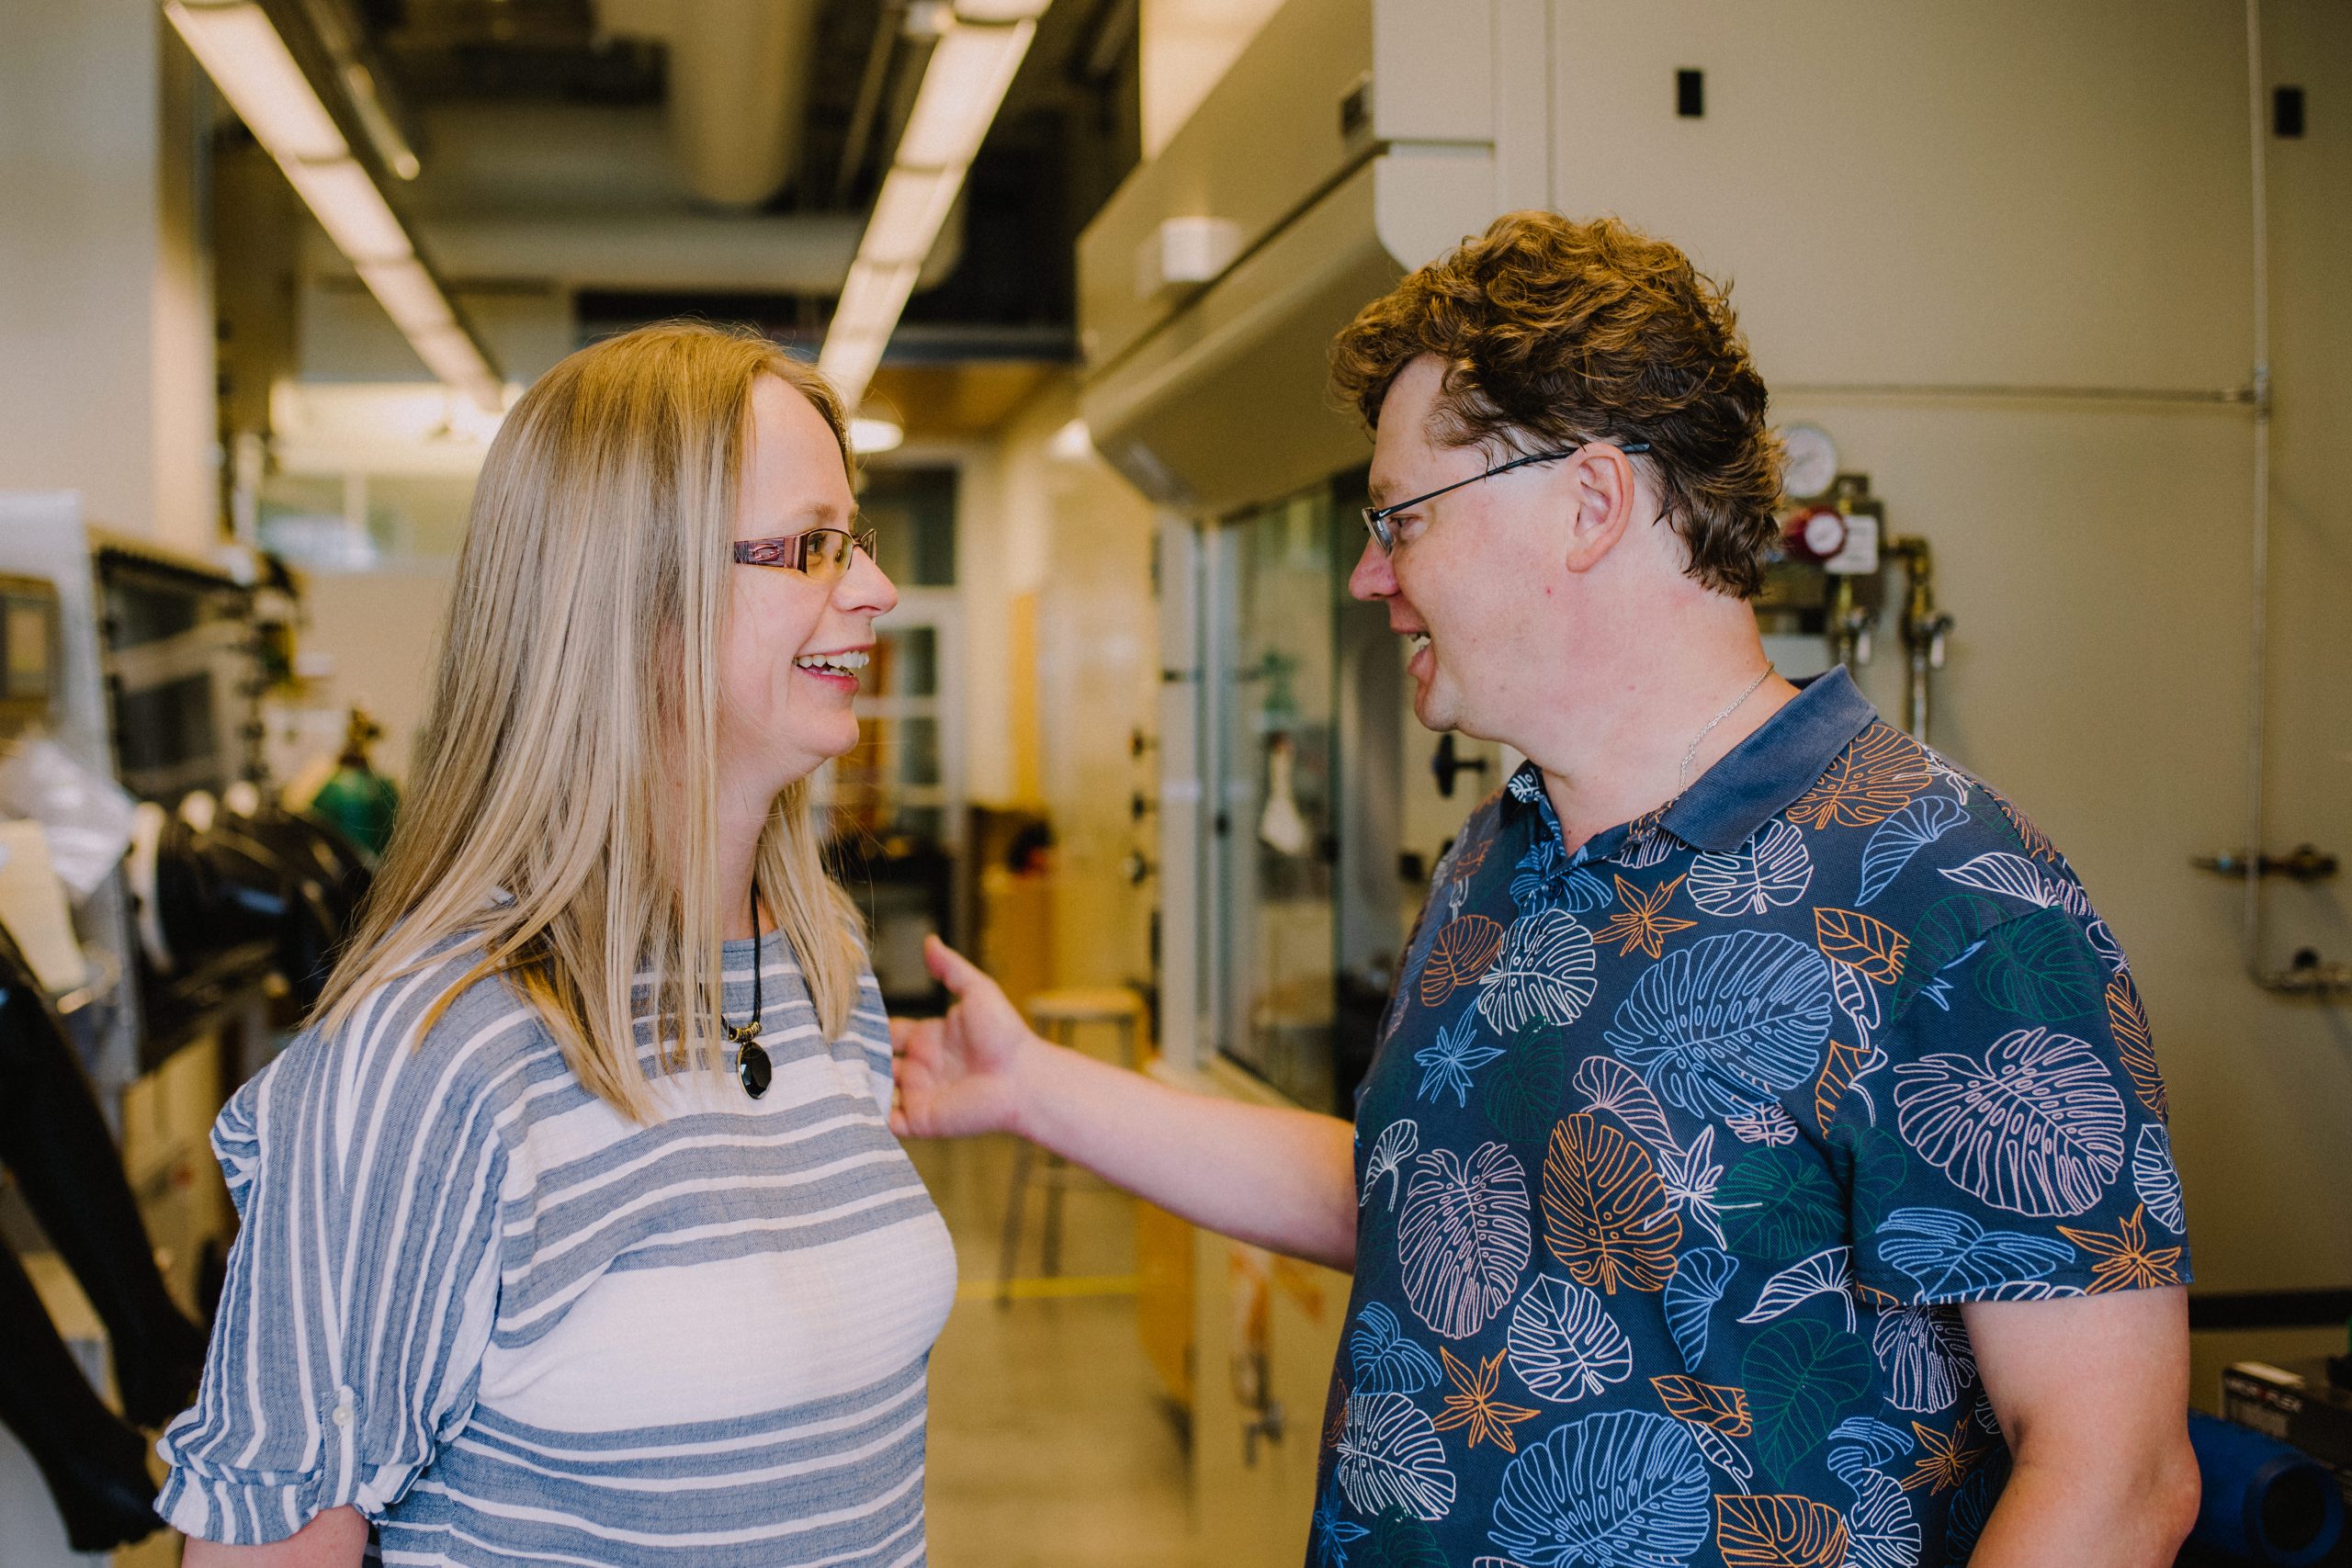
[[1325, 812], [1272, 817]]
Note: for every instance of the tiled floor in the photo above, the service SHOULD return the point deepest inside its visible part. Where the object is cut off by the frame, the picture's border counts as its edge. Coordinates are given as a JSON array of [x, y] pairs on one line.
[[1052, 1445]]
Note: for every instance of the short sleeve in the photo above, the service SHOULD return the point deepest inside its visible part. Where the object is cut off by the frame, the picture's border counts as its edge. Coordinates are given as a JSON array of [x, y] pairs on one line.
[[362, 1286], [2010, 1142]]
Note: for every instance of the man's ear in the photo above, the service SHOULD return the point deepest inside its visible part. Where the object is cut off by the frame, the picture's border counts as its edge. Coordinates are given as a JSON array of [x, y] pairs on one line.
[[1603, 496]]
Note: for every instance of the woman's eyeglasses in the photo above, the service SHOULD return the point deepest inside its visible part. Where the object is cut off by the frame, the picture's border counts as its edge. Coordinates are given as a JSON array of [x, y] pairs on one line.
[[821, 553]]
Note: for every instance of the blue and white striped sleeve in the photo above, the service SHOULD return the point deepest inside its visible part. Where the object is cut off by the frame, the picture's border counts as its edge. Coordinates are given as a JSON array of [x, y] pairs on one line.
[[368, 1168]]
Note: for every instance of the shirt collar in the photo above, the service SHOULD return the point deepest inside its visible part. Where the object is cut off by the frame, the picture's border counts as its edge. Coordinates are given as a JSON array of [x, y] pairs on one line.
[[1756, 781]]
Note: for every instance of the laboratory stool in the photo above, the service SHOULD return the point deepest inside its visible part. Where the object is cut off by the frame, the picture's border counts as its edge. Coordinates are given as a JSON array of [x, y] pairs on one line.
[[1059, 1016]]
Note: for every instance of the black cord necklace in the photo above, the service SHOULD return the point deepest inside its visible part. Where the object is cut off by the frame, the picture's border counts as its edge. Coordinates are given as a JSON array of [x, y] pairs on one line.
[[753, 1068]]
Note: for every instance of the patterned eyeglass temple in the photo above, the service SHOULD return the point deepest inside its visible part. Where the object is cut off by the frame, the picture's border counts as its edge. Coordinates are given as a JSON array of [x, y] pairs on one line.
[[820, 552]]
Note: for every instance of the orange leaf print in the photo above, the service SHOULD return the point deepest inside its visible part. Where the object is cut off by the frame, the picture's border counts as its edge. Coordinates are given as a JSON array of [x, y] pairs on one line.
[[1846, 1063], [2125, 1260], [1464, 950], [1944, 1462], [1882, 772], [1778, 1532], [2128, 1020], [1605, 1214], [1705, 1403], [1870, 944], [1642, 922], [1873, 1298], [2034, 840]]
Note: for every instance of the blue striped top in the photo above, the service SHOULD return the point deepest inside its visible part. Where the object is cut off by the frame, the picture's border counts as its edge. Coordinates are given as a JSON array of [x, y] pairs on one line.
[[511, 1326]]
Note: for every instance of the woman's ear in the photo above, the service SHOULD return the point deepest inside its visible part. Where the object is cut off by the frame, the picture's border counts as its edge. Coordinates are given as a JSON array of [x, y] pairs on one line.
[[1604, 493]]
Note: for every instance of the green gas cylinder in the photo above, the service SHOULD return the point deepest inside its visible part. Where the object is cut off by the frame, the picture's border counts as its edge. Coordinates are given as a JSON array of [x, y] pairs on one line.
[[356, 797]]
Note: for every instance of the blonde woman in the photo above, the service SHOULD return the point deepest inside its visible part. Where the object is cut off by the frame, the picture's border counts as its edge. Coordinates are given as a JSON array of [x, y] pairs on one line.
[[573, 1230]]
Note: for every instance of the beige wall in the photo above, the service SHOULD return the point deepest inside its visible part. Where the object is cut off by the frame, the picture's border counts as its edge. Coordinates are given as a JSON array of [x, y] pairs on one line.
[[381, 628], [105, 317], [1064, 531], [1185, 47]]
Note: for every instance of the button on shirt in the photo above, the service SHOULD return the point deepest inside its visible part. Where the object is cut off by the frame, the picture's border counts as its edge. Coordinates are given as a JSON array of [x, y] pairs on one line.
[[1679, 1152]]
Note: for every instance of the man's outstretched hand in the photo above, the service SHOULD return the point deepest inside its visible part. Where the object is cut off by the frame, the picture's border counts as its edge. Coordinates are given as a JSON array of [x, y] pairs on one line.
[[958, 1075]]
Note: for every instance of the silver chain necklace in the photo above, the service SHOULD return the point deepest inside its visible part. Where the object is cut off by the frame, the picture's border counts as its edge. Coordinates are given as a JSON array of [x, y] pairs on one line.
[[1682, 773]]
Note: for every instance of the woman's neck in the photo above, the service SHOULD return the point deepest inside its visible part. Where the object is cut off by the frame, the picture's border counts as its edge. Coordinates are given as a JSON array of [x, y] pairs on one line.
[[739, 827]]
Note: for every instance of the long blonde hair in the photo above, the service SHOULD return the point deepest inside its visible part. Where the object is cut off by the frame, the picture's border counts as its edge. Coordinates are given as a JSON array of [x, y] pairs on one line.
[[562, 811]]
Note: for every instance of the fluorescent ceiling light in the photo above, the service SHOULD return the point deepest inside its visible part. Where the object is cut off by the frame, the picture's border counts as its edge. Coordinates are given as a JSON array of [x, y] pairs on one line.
[[351, 209], [408, 294], [966, 80], [875, 293], [850, 360], [908, 214], [255, 70], [1001, 10], [963, 84], [247, 59], [868, 437], [449, 352]]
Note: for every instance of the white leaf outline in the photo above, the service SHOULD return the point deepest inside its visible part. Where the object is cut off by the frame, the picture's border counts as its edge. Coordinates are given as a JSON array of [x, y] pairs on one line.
[[1857, 998], [1829, 1271], [1617, 1489], [1608, 1084], [1894, 842], [1562, 1343], [1465, 1236], [1768, 1124], [1728, 1022], [2004, 872], [1389, 1456], [1397, 1142], [2035, 1126], [1771, 871], [1723, 1454], [2158, 1180], [1925, 1355], [1689, 1176], [1543, 975], [1882, 1532]]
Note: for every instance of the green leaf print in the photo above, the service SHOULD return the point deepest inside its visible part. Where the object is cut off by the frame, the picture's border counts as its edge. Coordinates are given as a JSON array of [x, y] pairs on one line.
[[1778, 1207], [1949, 927], [1802, 1378], [2040, 967], [1526, 1092], [1880, 1168], [1398, 1540]]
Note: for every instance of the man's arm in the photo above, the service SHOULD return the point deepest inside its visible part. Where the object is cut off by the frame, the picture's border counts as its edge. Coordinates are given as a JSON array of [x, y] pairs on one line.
[[2093, 1396], [1284, 1179]]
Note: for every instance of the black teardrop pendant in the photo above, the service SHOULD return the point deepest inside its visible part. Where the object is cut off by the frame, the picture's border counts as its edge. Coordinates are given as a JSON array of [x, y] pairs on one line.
[[753, 1067]]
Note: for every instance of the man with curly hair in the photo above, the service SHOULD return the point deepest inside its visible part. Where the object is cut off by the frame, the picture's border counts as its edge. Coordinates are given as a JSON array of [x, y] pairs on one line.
[[1764, 1161]]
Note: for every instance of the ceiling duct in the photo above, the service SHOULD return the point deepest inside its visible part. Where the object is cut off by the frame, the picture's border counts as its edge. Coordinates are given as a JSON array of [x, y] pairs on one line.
[[590, 196], [738, 87]]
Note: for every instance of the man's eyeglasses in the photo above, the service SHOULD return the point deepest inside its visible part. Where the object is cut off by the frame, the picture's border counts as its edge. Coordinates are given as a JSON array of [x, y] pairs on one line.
[[821, 553], [1375, 518]]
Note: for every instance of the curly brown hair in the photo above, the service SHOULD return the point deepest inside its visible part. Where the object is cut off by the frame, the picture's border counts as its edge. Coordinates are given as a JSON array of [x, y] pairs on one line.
[[1556, 332]]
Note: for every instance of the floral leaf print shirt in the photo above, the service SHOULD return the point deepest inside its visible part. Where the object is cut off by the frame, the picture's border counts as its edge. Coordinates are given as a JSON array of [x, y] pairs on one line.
[[1680, 1151]]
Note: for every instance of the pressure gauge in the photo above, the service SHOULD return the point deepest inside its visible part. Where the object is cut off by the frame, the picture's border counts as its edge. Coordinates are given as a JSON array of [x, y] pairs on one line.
[[1823, 532], [1811, 462]]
